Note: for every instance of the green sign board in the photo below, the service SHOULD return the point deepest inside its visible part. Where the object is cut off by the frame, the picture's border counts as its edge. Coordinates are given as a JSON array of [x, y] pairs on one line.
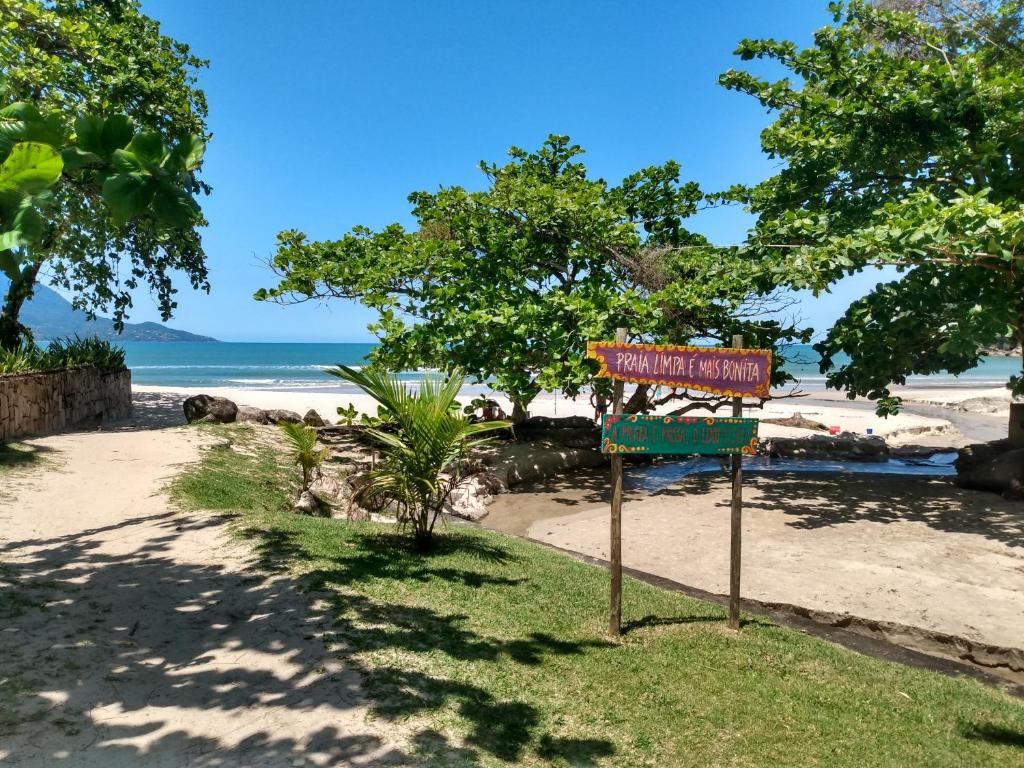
[[678, 434]]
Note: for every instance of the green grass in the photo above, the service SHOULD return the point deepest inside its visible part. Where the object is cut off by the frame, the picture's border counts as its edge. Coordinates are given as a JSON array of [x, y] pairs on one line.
[[492, 650], [14, 455]]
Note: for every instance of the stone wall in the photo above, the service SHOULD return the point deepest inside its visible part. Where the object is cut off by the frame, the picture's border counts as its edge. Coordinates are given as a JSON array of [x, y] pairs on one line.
[[75, 398]]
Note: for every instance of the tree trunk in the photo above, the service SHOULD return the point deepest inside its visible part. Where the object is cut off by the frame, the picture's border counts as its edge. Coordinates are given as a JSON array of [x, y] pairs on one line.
[[519, 413], [1016, 426], [12, 332], [1016, 433], [639, 401]]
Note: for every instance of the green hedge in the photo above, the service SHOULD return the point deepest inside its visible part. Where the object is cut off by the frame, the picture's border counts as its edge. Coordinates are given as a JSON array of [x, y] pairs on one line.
[[63, 353]]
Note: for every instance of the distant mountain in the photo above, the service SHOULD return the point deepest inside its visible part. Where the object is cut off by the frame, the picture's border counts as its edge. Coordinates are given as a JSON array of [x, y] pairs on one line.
[[51, 316]]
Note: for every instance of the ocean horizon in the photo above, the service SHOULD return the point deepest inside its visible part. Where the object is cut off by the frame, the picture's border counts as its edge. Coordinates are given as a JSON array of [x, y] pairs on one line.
[[289, 366]]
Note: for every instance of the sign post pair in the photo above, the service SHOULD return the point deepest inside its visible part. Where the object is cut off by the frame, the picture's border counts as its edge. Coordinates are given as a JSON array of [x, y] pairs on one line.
[[732, 372]]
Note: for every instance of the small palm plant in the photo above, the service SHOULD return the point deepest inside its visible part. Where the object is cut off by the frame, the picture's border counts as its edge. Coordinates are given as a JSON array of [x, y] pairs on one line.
[[423, 460], [304, 451]]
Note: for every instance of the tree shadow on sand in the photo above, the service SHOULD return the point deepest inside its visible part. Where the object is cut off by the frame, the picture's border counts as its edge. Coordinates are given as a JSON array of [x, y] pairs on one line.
[[506, 729], [109, 647], [820, 501]]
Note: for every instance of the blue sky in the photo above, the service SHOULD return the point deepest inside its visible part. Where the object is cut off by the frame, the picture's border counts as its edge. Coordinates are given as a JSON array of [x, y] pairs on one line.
[[327, 114]]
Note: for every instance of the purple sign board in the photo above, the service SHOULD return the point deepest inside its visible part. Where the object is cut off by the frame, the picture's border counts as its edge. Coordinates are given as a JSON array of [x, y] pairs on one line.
[[721, 370]]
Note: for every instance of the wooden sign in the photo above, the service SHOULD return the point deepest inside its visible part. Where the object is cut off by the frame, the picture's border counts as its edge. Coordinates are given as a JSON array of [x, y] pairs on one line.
[[732, 372], [690, 435]]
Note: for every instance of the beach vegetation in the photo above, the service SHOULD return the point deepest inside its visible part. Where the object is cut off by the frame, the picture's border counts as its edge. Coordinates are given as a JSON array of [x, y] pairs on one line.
[[63, 353], [100, 160], [493, 650], [302, 440], [347, 415], [423, 453], [898, 136], [509, 283]]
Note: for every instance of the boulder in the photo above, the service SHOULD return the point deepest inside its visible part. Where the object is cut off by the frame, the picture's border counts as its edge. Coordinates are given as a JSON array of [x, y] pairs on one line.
[[277, 415], [247, 413], [209, 408], [307, 504], [997, 467], [470, 499], [312, 419], [847, 446]]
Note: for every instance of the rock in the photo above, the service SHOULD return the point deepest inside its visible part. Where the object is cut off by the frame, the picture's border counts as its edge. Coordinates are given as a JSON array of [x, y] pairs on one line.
[[997, 467], [247, 413], [210, 408], [846, 446], [307, 504], [277, 415], [799, 421], [470, 499], [547, 422], [312, 419]]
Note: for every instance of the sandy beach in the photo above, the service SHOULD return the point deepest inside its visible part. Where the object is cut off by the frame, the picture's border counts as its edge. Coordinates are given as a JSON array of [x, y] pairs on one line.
[[159, 643], [830, 408], [913, 550]]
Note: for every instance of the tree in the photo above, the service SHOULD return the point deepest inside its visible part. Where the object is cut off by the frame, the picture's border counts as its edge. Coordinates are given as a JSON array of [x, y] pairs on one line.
[[131, 176], [901, 145], [424, 459], [508, 283], [91, 61]]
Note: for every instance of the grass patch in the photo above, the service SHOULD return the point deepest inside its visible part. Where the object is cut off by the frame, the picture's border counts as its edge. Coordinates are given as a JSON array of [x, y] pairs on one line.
[[492, 649], [14, 455]]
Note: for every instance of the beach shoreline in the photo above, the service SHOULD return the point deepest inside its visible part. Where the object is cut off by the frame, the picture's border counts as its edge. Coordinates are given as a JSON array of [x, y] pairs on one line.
[[930, 415]]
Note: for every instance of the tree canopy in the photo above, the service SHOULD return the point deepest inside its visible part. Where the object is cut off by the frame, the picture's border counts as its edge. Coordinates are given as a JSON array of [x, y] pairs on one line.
[[509, 282], [82, 65], [900, 136]]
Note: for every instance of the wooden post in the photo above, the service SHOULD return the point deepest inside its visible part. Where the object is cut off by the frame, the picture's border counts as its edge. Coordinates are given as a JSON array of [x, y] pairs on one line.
[[736, 518], [615, 553]]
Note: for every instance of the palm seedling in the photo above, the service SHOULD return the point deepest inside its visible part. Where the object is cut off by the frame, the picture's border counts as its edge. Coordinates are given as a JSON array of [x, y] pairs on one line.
[[423, 460], [305, 454]]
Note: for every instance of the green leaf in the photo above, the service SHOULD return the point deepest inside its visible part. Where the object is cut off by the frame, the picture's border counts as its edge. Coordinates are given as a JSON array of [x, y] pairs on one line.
[[187, 154], [174, 207], [9, 263], [29, 223], [148, 148], [89, 130], [117, 132], [127, 162], [31, 167], [127, 195]]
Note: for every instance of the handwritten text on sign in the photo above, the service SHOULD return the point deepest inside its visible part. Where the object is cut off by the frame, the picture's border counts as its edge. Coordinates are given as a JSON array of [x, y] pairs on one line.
[[721, 370], [678, 434]]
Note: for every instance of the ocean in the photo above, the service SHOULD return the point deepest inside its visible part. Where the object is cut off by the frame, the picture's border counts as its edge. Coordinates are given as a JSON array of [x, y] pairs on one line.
[[284, 366]]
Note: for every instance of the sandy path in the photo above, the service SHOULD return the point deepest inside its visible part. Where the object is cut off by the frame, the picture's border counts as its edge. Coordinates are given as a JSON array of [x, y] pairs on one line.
[[912, 550], [150, 644]]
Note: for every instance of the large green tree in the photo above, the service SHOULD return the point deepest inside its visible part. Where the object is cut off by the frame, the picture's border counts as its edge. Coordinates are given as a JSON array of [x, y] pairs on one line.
[[91, 61], [509, 282], [900, 136]]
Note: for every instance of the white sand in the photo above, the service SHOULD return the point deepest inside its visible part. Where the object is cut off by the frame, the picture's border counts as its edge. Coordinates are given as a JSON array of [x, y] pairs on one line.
[[896, 428], [913, 550], [157, 645]]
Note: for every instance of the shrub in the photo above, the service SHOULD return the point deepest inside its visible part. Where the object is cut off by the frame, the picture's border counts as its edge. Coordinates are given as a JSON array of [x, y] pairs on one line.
[[424, 460], [63, 353]]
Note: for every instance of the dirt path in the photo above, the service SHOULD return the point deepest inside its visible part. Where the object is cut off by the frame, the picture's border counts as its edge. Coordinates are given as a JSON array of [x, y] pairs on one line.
[[134, 635]]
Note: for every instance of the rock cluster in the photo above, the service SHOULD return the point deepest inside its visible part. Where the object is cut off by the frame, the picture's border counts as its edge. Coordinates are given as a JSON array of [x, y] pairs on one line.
[[846, 446], [207, 408], [997, 466]]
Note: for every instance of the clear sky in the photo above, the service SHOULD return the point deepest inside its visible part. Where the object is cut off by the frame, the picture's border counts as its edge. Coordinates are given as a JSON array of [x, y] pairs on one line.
[[327, 114]]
